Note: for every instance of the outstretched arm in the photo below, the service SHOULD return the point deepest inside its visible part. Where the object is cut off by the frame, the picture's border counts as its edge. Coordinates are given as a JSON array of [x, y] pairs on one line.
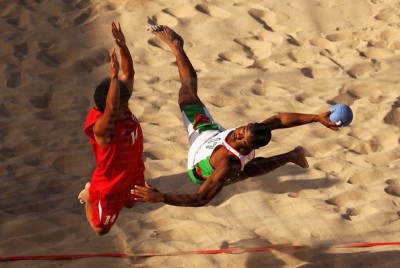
[[287, 120], [210, 188], [104, 127], [207, 191], [128, 71]]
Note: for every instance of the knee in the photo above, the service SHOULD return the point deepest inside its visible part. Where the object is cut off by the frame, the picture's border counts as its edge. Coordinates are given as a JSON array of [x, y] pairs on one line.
[[101, 231]]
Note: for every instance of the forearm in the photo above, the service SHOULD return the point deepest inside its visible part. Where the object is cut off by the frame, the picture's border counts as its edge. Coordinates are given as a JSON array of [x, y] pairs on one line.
[[112, 101], [126, 62], [184, 200], [287, 120], [296, 119]]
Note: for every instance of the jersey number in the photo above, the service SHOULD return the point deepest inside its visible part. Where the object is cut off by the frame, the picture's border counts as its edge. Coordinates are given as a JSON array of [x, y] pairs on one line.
[[212, 143], [110, 219]]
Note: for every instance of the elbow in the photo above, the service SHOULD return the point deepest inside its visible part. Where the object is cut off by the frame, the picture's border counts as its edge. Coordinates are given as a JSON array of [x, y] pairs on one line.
[[202, 201]]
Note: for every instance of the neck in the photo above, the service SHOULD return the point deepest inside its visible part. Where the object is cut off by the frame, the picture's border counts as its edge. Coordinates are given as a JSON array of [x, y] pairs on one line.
[[238, 147]]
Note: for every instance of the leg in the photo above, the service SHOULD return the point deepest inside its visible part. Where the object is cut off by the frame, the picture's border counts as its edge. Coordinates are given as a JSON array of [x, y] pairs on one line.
[[260, 166], [187, 74], [84, 198]]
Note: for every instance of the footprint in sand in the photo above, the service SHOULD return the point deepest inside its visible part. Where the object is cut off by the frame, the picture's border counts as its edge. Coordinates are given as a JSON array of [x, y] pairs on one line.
[[92, 59], [70, 163], [365, 177], [329, 166], [300, 55], [376, 53], [21, 50], [387, 15], [42, 101], [258, 49], [21, 19], [394, 187], [393, 117], [384, 141], [321, 72], [32, 161], [213, 11], [83, 4], [364, 70], [235, 58], [58, 22], [4, 113], [339, 36], [324, 44], [181, 11], [265, 17], [352, 196], [163, 19], [83, 17], [47, 59], [13, 79]]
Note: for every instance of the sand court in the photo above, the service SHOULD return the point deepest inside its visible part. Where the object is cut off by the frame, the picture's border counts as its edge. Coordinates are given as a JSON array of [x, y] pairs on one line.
[[253, 59]]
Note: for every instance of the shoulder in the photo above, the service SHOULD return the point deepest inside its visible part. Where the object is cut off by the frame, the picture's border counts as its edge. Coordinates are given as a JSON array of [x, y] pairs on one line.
[[224, 159], [92, 118]]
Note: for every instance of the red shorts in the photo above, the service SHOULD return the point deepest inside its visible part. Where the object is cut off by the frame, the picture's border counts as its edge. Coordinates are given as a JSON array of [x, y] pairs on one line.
[[106, 207]]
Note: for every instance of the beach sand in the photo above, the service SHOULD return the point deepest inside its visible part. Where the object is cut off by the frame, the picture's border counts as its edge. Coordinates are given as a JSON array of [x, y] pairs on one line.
[[254, 59]]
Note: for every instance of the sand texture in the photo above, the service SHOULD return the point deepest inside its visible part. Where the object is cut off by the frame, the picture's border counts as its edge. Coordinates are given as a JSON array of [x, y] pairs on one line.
[[254, 59]]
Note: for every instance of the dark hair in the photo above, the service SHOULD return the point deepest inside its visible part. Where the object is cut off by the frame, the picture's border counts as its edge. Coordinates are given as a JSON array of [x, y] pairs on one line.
[[100, 94], [261, 135]]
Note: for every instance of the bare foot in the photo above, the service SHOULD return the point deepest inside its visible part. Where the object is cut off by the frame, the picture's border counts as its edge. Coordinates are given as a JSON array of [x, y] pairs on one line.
[[166, 34], [299, 157], [84, 194]]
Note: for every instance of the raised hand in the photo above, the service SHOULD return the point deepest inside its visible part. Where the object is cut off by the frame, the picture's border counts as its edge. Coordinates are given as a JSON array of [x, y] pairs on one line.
[[114, 64], [117, 34]]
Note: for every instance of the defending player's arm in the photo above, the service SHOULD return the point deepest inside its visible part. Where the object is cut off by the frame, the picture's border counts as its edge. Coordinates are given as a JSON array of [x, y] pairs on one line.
[[128, 72], [227, 168], [287, 120], [104, 127]]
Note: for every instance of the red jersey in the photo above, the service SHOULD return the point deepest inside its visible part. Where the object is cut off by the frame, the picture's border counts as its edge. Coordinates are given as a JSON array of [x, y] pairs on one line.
[[120, 164]]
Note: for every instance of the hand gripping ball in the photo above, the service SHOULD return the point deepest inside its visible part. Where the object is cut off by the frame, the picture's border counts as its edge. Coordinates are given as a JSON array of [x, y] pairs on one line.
[[341, 114]]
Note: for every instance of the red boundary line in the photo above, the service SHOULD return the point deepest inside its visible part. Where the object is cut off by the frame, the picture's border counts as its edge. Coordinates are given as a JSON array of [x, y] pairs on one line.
[[207, 251]]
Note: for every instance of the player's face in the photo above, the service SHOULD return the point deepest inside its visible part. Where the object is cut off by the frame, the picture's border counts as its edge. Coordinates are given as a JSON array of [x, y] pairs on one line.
[[244, 134]]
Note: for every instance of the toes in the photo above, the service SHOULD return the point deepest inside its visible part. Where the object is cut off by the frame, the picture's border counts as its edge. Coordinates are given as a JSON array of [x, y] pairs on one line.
[[155, 28]]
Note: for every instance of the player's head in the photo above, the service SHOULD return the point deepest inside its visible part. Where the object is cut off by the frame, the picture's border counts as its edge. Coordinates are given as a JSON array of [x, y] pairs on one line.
[[253, 135], [100, 94], [260, 135]]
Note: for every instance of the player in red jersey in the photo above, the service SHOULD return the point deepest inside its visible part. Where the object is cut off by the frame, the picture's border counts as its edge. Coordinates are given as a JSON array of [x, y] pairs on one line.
[[117, 141]]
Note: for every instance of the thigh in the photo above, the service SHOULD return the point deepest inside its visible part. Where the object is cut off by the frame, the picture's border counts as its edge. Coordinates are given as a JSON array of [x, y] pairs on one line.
[[196, 119], [105, 211]]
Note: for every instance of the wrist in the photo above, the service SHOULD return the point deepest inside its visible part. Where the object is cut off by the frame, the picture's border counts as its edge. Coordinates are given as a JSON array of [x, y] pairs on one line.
[[163, 198], [316, 118]]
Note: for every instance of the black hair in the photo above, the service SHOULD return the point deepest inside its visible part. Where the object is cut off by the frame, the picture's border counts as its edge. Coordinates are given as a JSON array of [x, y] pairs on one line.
[[261, 135], [100, 94]]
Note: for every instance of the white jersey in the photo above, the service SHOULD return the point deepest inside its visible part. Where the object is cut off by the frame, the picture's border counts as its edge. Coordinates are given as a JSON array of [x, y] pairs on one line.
[[206, 145]]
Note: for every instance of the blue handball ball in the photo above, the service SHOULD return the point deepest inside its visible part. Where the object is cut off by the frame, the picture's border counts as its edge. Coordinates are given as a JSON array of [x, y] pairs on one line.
[[341, 114]]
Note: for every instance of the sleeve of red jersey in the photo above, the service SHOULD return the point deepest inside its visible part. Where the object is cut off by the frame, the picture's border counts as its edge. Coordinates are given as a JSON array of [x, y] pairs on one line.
[[92, 118]]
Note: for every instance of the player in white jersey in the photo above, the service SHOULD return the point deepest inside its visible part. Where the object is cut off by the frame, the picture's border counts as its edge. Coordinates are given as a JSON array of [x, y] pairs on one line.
[[218, 157]]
